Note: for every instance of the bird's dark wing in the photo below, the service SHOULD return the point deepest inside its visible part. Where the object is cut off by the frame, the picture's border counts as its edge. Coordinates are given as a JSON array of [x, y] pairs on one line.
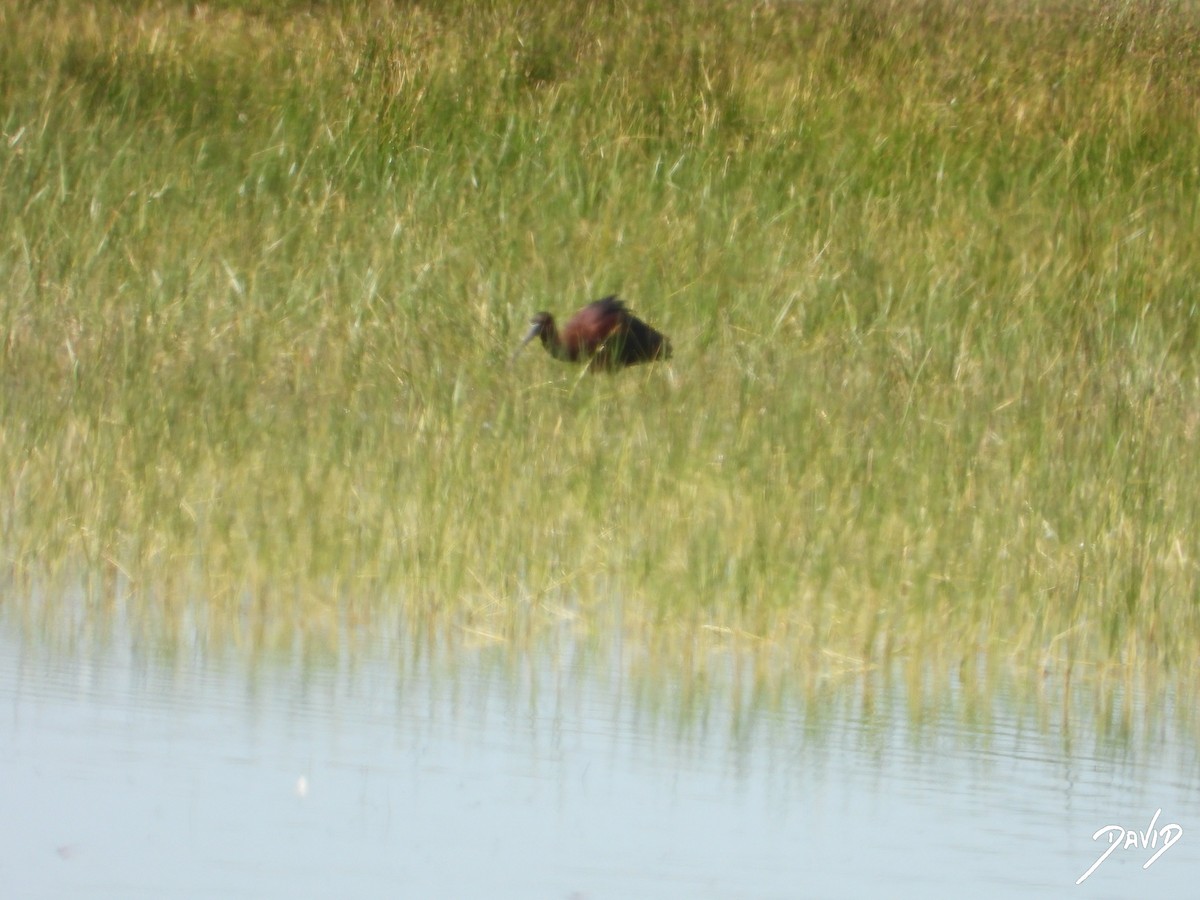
[[612, 305], [638, 342]]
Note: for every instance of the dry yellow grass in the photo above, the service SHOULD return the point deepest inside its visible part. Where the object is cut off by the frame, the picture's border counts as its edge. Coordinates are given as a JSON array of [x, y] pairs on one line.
[[929, 272]]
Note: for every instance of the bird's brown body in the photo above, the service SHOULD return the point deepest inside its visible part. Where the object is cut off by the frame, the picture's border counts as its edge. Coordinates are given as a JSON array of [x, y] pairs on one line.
[[604, 334]]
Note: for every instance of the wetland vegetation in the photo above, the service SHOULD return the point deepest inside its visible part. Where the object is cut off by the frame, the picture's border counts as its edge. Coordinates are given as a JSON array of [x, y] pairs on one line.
[[929, 270]]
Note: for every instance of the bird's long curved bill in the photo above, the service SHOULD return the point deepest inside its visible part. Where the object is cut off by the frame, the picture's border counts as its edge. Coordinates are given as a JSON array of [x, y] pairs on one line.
[[533, 332]]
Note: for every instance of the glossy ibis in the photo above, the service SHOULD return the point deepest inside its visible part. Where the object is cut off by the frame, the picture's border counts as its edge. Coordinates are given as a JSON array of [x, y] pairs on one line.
[[604, 334]]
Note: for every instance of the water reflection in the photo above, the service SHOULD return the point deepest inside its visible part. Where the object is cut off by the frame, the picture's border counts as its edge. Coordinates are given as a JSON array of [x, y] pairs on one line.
[[408, 765]]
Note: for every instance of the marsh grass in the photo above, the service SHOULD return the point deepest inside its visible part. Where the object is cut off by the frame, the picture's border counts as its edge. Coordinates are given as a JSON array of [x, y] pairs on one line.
[[929, 270]]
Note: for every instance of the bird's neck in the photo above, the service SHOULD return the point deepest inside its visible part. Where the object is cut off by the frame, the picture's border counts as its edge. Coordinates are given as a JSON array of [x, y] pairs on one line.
[[553, 343]]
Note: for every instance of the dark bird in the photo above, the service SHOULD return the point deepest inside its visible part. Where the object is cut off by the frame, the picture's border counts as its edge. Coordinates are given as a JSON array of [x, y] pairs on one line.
[[604, 334]]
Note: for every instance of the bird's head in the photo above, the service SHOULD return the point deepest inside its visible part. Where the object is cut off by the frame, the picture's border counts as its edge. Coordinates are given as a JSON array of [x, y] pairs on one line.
[[541, 324]]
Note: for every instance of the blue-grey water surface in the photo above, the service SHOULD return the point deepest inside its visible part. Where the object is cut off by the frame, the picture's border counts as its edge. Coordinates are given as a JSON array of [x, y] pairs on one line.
[[395, 771]]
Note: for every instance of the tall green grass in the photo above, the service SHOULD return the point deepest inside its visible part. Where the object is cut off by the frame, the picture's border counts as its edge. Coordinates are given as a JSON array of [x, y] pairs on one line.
[[929, 269]]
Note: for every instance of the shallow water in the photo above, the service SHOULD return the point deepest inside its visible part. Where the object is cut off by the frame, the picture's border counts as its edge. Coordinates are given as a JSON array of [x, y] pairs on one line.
[[400, 771]]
